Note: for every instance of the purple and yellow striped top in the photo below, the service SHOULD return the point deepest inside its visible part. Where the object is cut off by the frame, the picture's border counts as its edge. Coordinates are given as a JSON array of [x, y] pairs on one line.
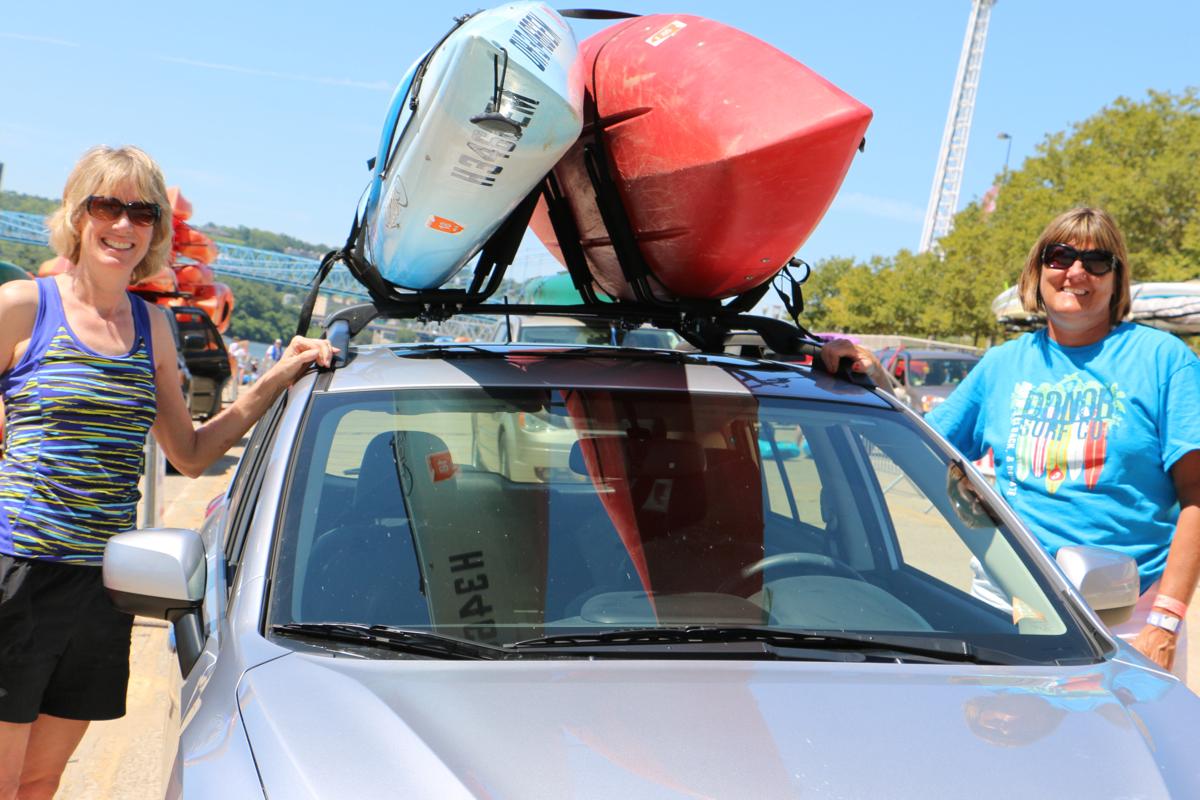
[[75, 432]]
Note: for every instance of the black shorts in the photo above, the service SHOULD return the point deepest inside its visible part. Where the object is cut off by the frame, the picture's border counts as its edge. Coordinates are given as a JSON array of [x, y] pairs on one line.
[[64, 648]]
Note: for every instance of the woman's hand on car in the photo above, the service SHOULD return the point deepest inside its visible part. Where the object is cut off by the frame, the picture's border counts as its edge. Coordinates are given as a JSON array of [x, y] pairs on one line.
[[862, 360], [1157, 644], [299, 354]]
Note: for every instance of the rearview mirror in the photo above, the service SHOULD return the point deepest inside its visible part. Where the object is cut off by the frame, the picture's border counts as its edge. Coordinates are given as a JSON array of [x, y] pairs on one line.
[[1107, 580], [194, 342], [160, 572]]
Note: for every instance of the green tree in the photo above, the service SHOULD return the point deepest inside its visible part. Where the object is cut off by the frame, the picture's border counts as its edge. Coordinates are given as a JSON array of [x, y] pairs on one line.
[[262, 312], [26, 203], [263, 240], [26, 256], [820, 290], [1137, 160]]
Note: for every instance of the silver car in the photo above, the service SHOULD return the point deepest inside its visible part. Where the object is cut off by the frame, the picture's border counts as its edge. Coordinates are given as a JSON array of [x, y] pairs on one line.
[[703, 612]]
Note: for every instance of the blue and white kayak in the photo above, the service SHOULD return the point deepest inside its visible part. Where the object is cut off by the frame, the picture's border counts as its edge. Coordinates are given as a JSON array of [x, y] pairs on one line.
[[472, 128]]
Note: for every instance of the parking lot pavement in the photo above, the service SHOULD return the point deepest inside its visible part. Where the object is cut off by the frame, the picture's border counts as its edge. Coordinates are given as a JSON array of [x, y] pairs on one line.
[[128, 758]]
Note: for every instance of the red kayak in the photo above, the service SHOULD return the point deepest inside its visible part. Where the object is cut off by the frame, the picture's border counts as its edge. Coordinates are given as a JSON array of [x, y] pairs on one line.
[[725, 153], [191, 243], [189, 284]]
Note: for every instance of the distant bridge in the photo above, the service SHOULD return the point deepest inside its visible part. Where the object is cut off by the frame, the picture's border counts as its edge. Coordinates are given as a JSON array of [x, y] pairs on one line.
[[268, 266], [265, 266]]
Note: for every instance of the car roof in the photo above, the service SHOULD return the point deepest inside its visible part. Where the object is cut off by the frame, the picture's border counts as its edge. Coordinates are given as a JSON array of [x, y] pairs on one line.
[[931, 353], [415, 366]]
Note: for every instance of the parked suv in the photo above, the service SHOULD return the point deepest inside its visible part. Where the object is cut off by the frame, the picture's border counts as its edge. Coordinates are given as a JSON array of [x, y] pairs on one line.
[[373, 610], [203, 350]]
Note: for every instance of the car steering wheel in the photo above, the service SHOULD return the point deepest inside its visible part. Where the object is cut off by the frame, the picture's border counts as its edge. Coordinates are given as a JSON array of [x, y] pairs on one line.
[[808, 562]]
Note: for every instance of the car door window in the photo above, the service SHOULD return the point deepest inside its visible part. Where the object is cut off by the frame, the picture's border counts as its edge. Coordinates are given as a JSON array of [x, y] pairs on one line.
[[791, 479], [244, 489], [927, 541]]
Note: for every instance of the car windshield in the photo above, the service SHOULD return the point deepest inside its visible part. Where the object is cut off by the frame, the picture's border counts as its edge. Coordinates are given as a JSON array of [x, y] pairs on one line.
[[501, 515]]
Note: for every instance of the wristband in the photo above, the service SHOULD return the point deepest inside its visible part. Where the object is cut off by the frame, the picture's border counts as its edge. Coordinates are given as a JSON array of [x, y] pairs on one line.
[[1165, 621], [1171, 605]]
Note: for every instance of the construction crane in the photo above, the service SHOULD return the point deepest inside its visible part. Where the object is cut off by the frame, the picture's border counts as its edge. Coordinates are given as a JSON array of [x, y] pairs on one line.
[[947, 180]]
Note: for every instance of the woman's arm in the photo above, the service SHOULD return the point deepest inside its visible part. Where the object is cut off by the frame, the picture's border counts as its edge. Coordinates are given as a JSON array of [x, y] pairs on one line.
[[192, 450], [1183, 559], [18, 310]]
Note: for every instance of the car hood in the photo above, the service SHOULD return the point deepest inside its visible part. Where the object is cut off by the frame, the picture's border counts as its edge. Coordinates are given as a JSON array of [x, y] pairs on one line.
[[323, 726]]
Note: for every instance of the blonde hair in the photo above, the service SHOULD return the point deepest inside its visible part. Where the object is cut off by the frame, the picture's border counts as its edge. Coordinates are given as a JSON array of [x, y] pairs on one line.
[[1079, 226], [102, 170]]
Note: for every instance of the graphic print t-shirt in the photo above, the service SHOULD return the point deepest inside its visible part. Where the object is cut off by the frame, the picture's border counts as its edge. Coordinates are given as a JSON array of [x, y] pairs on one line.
[[1084, 437]]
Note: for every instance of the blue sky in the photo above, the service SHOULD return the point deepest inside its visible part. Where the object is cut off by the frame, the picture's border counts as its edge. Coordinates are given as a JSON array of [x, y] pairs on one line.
[[265, 112]]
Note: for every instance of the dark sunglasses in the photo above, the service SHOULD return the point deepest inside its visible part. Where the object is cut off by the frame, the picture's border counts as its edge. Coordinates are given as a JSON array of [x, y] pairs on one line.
[[1062, 256], [110, 209]]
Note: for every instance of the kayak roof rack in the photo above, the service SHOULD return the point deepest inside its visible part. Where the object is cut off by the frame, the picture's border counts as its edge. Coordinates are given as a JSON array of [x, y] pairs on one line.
[[499, 251], [705, 324], [707, 333]]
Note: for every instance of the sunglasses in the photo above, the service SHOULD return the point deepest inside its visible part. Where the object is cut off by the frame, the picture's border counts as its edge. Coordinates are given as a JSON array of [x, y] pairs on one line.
[[1062, 256], [110, 209]]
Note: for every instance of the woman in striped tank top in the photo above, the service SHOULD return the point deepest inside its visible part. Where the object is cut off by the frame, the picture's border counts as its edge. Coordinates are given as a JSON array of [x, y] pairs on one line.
[[86, 370]]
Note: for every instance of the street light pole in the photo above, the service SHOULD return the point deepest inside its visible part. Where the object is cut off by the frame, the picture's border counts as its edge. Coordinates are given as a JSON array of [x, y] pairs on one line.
[[1007, 150]]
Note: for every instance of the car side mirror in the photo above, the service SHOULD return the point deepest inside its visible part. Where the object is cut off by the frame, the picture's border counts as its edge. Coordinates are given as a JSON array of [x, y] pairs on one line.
[[160, 572], [1107, 580], [194, 342]]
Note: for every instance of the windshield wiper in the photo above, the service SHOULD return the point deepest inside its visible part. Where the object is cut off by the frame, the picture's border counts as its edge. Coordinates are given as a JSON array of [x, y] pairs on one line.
[[929, 648], [402, 640]]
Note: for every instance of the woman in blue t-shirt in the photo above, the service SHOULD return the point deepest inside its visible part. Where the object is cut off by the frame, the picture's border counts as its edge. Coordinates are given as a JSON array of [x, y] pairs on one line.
[[86, 370], [1093, 422]]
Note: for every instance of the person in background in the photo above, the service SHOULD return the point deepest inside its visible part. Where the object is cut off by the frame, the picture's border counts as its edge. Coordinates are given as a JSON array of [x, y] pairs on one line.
[[87, 369], [274, 352], [237, 356], [1093, 423]]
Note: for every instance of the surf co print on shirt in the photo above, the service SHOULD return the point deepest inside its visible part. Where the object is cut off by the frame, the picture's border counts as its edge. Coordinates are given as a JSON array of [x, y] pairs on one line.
[[1060, 431]]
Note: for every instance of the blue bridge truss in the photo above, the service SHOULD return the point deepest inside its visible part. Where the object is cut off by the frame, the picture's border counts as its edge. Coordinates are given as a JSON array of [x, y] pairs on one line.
[[279, 269], [233, 260]]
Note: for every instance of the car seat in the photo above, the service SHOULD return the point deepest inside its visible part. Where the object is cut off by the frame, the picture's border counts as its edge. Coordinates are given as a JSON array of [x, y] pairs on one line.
[[365, 570]]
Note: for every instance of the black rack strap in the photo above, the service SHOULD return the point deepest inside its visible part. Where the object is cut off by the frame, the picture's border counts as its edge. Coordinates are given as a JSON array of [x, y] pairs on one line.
[[748, 299], [310, 301], [595, 13], [501, 247], [566, 232], [793, 300], [612, 212]]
